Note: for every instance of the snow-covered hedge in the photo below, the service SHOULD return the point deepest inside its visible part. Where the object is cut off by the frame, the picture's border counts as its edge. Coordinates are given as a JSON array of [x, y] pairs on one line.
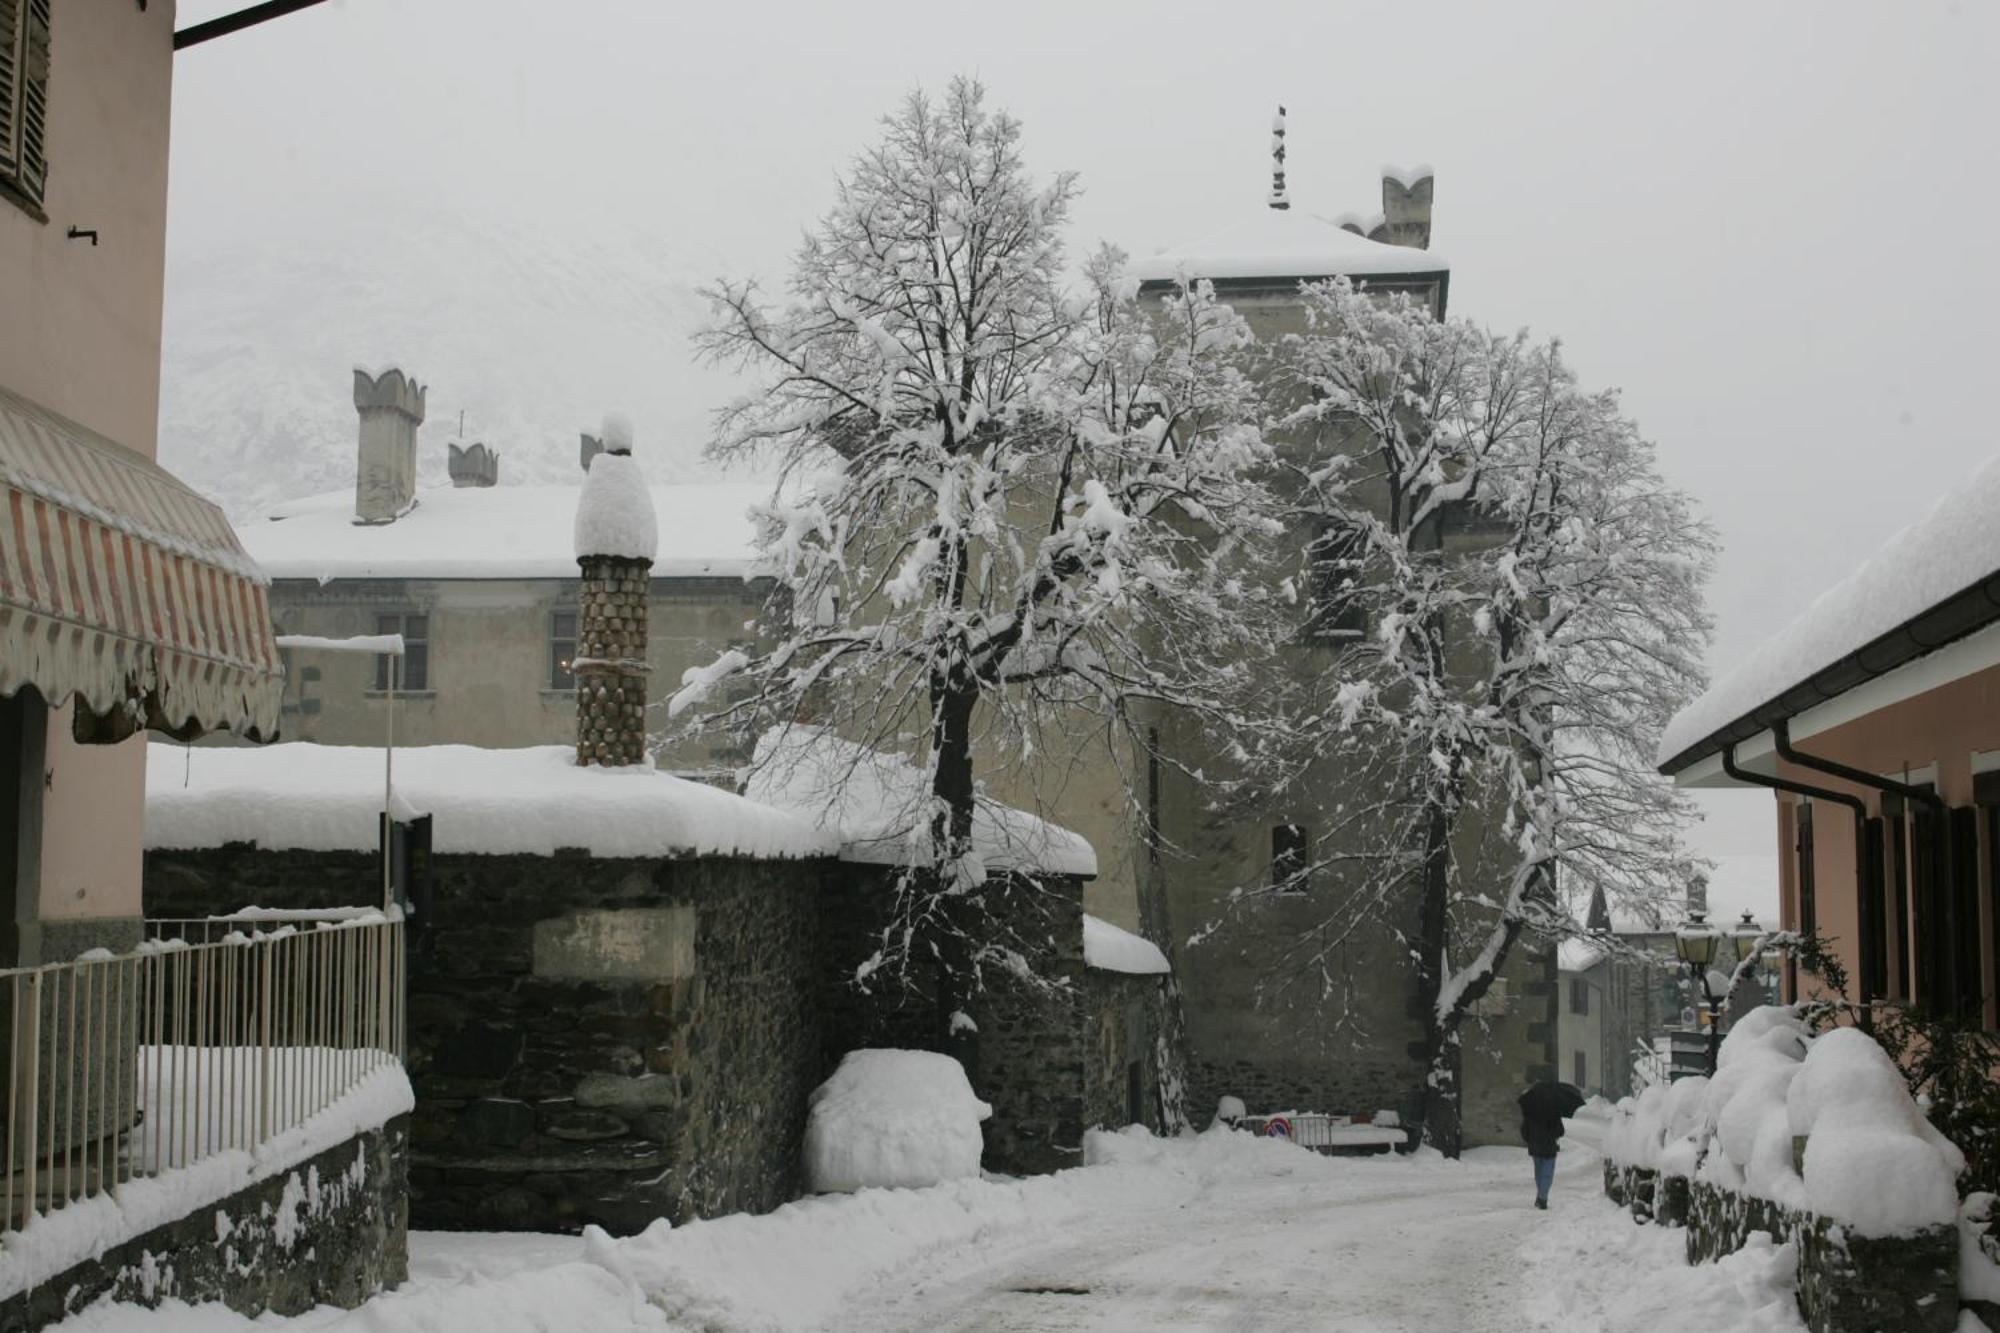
[[1871, 1162], [893, 1120]]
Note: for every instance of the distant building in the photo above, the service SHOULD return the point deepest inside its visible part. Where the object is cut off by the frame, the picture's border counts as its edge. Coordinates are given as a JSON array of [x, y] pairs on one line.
[[481, 581], [1872, 719]]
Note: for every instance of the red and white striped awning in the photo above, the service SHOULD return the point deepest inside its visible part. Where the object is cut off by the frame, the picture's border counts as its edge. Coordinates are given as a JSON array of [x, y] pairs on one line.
[[123, 588]]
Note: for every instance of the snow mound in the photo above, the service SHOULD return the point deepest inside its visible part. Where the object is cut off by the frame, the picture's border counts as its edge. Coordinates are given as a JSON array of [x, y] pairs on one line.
[[893, 1120], [1871, 1162], [533, 800], [1110, 949], [879, 805], [614, 512]]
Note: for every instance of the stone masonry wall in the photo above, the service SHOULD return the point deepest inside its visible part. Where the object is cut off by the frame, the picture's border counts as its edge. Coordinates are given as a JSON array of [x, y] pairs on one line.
[[592, 1040], [1124, 1018], [332, 1231], [610, 665]]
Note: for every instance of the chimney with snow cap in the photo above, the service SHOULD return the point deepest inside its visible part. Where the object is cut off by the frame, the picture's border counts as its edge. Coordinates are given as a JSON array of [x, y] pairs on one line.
[[616, 538], [385, 477], [1406, 207], [1279, 199], [474, 465]]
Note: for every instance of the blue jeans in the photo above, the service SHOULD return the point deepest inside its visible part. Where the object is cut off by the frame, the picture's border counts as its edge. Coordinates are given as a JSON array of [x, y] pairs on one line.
[[1545, 1175]]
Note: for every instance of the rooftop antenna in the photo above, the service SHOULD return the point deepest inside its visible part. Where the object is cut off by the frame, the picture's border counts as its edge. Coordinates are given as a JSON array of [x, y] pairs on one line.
[[1279, 199], [461, 423]]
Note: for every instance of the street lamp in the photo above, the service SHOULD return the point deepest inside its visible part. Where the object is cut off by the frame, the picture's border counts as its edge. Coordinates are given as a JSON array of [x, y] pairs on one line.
[[1746, 935], [1696, 942]]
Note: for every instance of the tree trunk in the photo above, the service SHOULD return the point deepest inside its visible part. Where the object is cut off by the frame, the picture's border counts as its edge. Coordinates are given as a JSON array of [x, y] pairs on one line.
[[953, 699], [1439, 1117]]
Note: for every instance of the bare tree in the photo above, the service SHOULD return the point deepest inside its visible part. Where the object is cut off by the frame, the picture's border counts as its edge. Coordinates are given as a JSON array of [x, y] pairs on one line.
[[1004, 506], [1532, 596]]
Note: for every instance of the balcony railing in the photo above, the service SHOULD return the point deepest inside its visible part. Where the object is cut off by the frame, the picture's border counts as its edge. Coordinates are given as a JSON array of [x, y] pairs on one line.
[[214, 1035]]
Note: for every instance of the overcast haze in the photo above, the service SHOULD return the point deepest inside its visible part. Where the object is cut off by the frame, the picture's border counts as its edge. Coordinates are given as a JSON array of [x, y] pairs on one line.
[[1770, 224]]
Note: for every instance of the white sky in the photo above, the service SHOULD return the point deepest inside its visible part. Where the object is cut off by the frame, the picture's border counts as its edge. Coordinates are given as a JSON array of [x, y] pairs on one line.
[[1770, 223]]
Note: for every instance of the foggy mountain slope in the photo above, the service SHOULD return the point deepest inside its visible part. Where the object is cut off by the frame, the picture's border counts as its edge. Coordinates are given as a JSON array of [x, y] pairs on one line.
[[533, 334]]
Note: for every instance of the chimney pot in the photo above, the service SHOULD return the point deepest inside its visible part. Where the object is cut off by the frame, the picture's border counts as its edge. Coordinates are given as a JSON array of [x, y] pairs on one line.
[[474, 465], [1406, 206]]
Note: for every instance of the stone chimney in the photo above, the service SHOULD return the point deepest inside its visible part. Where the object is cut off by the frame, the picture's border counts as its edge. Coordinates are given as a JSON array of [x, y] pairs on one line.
[[1406, 207], [589, 448], [616, 536], [475, 465], [385, 476]]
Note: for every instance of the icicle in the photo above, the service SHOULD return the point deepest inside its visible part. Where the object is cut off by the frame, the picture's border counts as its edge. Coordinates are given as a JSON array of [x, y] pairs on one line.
[[1279, 199]]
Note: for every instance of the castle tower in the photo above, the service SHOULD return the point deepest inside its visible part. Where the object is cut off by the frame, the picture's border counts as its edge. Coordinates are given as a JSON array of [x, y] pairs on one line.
[[385, 476], [616, 537]]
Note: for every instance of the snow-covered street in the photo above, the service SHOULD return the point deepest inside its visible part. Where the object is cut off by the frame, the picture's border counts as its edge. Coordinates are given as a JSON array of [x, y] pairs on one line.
[[1223, 1232]]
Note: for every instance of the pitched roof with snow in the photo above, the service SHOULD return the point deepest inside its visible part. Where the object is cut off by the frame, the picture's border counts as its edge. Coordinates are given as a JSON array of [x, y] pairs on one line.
[[1951, 551], [1286, 244], [878, 805], [534, 800], [499, 532]]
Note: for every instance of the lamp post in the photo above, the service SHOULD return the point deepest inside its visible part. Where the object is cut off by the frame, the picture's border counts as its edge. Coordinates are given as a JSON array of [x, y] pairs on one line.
[[1696, 943]]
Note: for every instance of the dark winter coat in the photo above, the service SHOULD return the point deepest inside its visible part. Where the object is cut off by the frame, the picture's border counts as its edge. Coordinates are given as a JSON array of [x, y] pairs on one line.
[[1542, 1110]]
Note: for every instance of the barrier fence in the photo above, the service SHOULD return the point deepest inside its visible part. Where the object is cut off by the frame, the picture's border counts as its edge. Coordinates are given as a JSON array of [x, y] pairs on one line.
[[214, 1035]]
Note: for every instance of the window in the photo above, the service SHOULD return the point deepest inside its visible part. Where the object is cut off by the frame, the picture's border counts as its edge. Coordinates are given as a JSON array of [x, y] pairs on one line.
[[416, 631], [1288, 858], [1581, 1071], [562, 650], [1333, 610], [1579, 996], [24, 97]]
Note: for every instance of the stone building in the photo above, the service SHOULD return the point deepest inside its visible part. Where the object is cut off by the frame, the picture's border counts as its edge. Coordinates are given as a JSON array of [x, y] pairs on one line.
[[1362, 1048]]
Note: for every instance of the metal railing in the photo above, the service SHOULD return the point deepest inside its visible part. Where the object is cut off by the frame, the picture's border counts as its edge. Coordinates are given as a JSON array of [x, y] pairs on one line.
[[131, 1065]]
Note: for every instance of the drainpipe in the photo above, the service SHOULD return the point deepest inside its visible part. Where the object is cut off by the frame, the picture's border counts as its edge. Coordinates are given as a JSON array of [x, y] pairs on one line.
[[1860, 809], [1781, 733]]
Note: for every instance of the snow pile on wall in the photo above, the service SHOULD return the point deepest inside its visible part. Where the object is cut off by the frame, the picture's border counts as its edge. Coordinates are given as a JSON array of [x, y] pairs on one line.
[[1110, 949], [893, 1120], [54, 1242], [880, 805], [1872, 1161], [534, 800], [614, 514], [1948, 551]]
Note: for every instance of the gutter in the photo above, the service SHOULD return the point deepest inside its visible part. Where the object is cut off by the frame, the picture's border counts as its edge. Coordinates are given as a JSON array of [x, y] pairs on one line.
[[1860, 809], [197, 33], [1964, 612]]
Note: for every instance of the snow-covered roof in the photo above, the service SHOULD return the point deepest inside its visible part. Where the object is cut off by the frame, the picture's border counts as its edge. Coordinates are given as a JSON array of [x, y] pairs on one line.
[[499, 532], [1110, 948], [878, 804], [1285, 243], [1948, 551], [535, 800], [1578, 955]]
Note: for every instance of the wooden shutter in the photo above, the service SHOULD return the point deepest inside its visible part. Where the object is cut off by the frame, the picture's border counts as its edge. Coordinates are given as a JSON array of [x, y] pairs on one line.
[[1874, 910], [10, 83], [1967, 990], [34, 78]]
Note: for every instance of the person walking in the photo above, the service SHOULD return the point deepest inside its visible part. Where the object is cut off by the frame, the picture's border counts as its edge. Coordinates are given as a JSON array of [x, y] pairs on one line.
[[1544, 1107]]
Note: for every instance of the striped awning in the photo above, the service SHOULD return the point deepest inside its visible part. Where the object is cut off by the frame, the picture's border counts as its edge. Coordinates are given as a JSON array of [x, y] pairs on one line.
[[126, 590]]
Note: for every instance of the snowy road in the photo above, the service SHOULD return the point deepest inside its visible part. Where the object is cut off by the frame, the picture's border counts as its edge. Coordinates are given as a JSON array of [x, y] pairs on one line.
[[1224, 1233], [1389, 1253]]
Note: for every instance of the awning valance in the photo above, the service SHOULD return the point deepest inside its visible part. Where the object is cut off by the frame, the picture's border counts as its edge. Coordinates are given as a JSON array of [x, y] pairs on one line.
[[125, 589]]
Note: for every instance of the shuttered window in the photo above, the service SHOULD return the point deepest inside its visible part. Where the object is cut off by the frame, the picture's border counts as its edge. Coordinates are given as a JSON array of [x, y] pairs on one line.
[[24, 96]]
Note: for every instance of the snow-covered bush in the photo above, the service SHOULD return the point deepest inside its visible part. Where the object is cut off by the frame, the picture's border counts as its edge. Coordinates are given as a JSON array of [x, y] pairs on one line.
[[893, 1119], [1872, 1162]]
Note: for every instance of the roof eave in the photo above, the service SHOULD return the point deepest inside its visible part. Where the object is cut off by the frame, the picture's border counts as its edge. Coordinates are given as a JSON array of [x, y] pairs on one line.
[[1965, 612]]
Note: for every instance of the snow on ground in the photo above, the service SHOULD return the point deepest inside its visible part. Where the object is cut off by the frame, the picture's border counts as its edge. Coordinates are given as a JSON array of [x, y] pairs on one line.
[[1219, 1231], [533, 800], [893, 1119]]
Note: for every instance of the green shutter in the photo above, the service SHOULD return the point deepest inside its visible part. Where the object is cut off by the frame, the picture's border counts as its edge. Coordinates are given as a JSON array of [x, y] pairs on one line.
[[34, 77], [10, 82]]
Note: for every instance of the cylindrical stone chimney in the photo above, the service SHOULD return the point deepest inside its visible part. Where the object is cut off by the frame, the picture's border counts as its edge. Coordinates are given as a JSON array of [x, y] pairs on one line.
[[391, 407], [616, 536]]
